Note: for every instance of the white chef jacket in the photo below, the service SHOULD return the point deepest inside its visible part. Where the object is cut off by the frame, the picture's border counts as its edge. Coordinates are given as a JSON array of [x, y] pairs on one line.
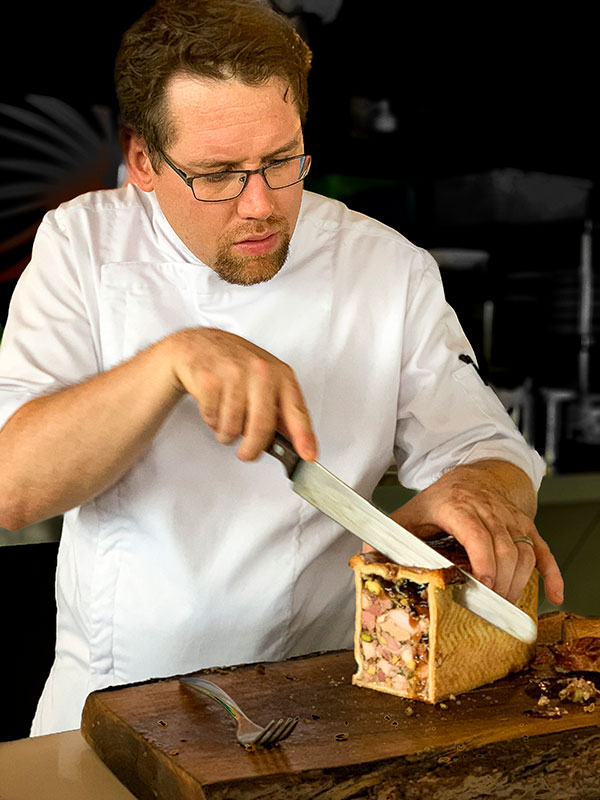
[[194, 558]]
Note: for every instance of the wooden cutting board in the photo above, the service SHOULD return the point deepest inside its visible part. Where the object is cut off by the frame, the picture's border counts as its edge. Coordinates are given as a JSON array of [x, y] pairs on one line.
[[163, 740]]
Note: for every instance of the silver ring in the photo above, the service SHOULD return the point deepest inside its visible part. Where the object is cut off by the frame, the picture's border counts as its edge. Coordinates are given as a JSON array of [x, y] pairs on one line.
[[525, 539]]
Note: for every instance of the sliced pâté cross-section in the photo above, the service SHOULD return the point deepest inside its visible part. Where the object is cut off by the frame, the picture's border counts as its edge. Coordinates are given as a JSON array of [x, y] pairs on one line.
[[413, 640]]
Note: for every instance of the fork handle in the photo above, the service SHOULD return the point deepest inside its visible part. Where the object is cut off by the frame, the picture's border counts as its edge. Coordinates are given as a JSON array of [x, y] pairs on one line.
[[218, 694]]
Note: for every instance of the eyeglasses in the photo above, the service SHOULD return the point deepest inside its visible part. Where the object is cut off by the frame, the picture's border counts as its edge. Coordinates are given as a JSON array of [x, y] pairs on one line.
[[215, 187]]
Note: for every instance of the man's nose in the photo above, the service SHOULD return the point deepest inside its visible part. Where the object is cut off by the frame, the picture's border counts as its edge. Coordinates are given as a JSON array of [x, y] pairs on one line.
[[256, 200]]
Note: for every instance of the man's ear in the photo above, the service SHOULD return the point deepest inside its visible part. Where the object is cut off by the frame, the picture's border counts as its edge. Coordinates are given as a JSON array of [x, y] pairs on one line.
[[137, 162]]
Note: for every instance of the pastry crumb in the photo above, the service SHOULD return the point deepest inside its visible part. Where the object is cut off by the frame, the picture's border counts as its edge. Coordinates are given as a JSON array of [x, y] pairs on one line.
[[577, 690]]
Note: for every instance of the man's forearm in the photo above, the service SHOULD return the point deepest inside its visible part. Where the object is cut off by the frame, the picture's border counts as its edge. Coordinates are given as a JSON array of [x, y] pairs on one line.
[[66, 448], [62, 449]]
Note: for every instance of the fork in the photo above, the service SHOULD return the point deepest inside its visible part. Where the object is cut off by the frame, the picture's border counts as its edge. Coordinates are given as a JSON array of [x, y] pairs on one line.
[[248, 732]]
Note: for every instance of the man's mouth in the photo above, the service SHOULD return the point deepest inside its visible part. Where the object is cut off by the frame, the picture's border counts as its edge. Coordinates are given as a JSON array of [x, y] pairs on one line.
[[257, 244]]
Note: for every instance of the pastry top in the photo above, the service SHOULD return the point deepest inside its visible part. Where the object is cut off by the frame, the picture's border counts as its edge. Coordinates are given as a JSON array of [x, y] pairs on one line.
[[375, 563]]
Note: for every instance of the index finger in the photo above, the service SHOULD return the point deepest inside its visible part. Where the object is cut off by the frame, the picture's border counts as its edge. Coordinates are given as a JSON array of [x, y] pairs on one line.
[[261, 412], [471, 531], [295, 421]]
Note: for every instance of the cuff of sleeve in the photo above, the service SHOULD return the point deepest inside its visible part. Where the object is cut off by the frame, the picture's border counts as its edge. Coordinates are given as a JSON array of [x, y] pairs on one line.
[[529, 460]]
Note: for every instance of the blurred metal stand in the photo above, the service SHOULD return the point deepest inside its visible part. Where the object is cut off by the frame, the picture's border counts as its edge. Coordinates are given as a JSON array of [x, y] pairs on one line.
[[554, 399], [519, 404], [464, 272], [586, 308], [573, 416], [464, 275]]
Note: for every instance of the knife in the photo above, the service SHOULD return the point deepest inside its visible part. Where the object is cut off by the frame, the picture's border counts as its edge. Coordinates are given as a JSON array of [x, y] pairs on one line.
[[337, 500]]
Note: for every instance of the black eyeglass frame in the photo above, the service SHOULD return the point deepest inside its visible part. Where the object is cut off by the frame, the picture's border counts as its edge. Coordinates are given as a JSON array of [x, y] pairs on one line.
[[189, 179]]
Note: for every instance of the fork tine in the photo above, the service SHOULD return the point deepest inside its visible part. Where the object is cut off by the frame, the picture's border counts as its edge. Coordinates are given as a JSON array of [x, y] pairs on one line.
[[283, 730], [273, 734], [275, 731], [289, 726], [265, 734]]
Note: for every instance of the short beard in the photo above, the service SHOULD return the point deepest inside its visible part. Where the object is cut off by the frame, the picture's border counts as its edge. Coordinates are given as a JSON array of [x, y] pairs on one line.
[[250, 270]]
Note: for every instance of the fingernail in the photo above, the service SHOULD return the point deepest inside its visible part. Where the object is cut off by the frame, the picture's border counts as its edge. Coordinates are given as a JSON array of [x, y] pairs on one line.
[[306, 452], [487, 581], [312, 449]]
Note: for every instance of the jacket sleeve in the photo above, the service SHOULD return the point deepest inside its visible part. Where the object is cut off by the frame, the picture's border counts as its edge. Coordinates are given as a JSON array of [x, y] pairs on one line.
[[48, 342], [446, 414]]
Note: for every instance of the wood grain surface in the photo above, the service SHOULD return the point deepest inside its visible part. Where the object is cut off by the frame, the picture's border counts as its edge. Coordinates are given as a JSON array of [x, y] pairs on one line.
[[165, 741]]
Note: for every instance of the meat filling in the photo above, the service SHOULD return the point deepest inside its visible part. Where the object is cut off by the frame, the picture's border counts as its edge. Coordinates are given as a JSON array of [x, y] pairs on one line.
[[395, 634]]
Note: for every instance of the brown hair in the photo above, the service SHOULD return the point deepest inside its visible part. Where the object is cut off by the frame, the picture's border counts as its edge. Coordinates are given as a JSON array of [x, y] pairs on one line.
[[218, 39]]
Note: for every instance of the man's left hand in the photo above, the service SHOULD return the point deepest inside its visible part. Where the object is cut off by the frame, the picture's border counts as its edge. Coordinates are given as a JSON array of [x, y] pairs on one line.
[[486, 506]]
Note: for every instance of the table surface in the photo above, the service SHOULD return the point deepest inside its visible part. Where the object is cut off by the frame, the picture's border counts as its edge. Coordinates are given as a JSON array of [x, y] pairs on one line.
[[61, 766]]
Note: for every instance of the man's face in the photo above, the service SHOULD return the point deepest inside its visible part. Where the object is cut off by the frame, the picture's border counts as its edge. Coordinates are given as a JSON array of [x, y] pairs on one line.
[[221, 125]]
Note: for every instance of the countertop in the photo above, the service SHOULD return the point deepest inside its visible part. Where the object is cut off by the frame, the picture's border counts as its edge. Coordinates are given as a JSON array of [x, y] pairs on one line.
[[61, 766]]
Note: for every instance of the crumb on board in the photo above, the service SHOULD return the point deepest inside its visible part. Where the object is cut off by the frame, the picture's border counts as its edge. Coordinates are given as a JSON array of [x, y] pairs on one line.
[[577, 690], [544, 701]]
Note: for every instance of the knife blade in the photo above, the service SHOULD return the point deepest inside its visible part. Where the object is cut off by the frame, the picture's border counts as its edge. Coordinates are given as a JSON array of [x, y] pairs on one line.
[[340, 502]]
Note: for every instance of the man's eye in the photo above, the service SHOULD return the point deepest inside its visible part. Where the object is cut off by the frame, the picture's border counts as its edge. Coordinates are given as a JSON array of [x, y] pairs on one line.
[[217, 177], [277, 164]]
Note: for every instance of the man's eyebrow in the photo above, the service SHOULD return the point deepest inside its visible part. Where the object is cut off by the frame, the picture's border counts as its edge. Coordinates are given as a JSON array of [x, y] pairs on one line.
[[216, 164]]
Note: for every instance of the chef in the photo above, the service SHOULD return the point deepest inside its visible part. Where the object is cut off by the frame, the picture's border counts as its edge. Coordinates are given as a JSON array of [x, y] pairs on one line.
[[164, 330]]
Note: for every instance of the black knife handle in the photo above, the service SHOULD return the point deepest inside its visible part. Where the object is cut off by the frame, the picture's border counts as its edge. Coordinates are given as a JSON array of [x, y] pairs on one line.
[[283, 450]]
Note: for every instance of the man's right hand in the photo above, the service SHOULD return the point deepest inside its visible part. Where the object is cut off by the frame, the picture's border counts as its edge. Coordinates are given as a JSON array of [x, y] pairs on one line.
[[241, 390], [67, 447]]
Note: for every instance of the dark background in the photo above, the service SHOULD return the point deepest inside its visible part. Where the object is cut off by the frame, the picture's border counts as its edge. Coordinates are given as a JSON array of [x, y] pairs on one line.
[[508, 86], [500, 88], [471, 94]]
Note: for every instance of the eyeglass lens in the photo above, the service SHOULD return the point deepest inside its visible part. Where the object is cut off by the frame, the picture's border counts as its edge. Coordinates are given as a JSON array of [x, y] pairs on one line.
[[228, 185]]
